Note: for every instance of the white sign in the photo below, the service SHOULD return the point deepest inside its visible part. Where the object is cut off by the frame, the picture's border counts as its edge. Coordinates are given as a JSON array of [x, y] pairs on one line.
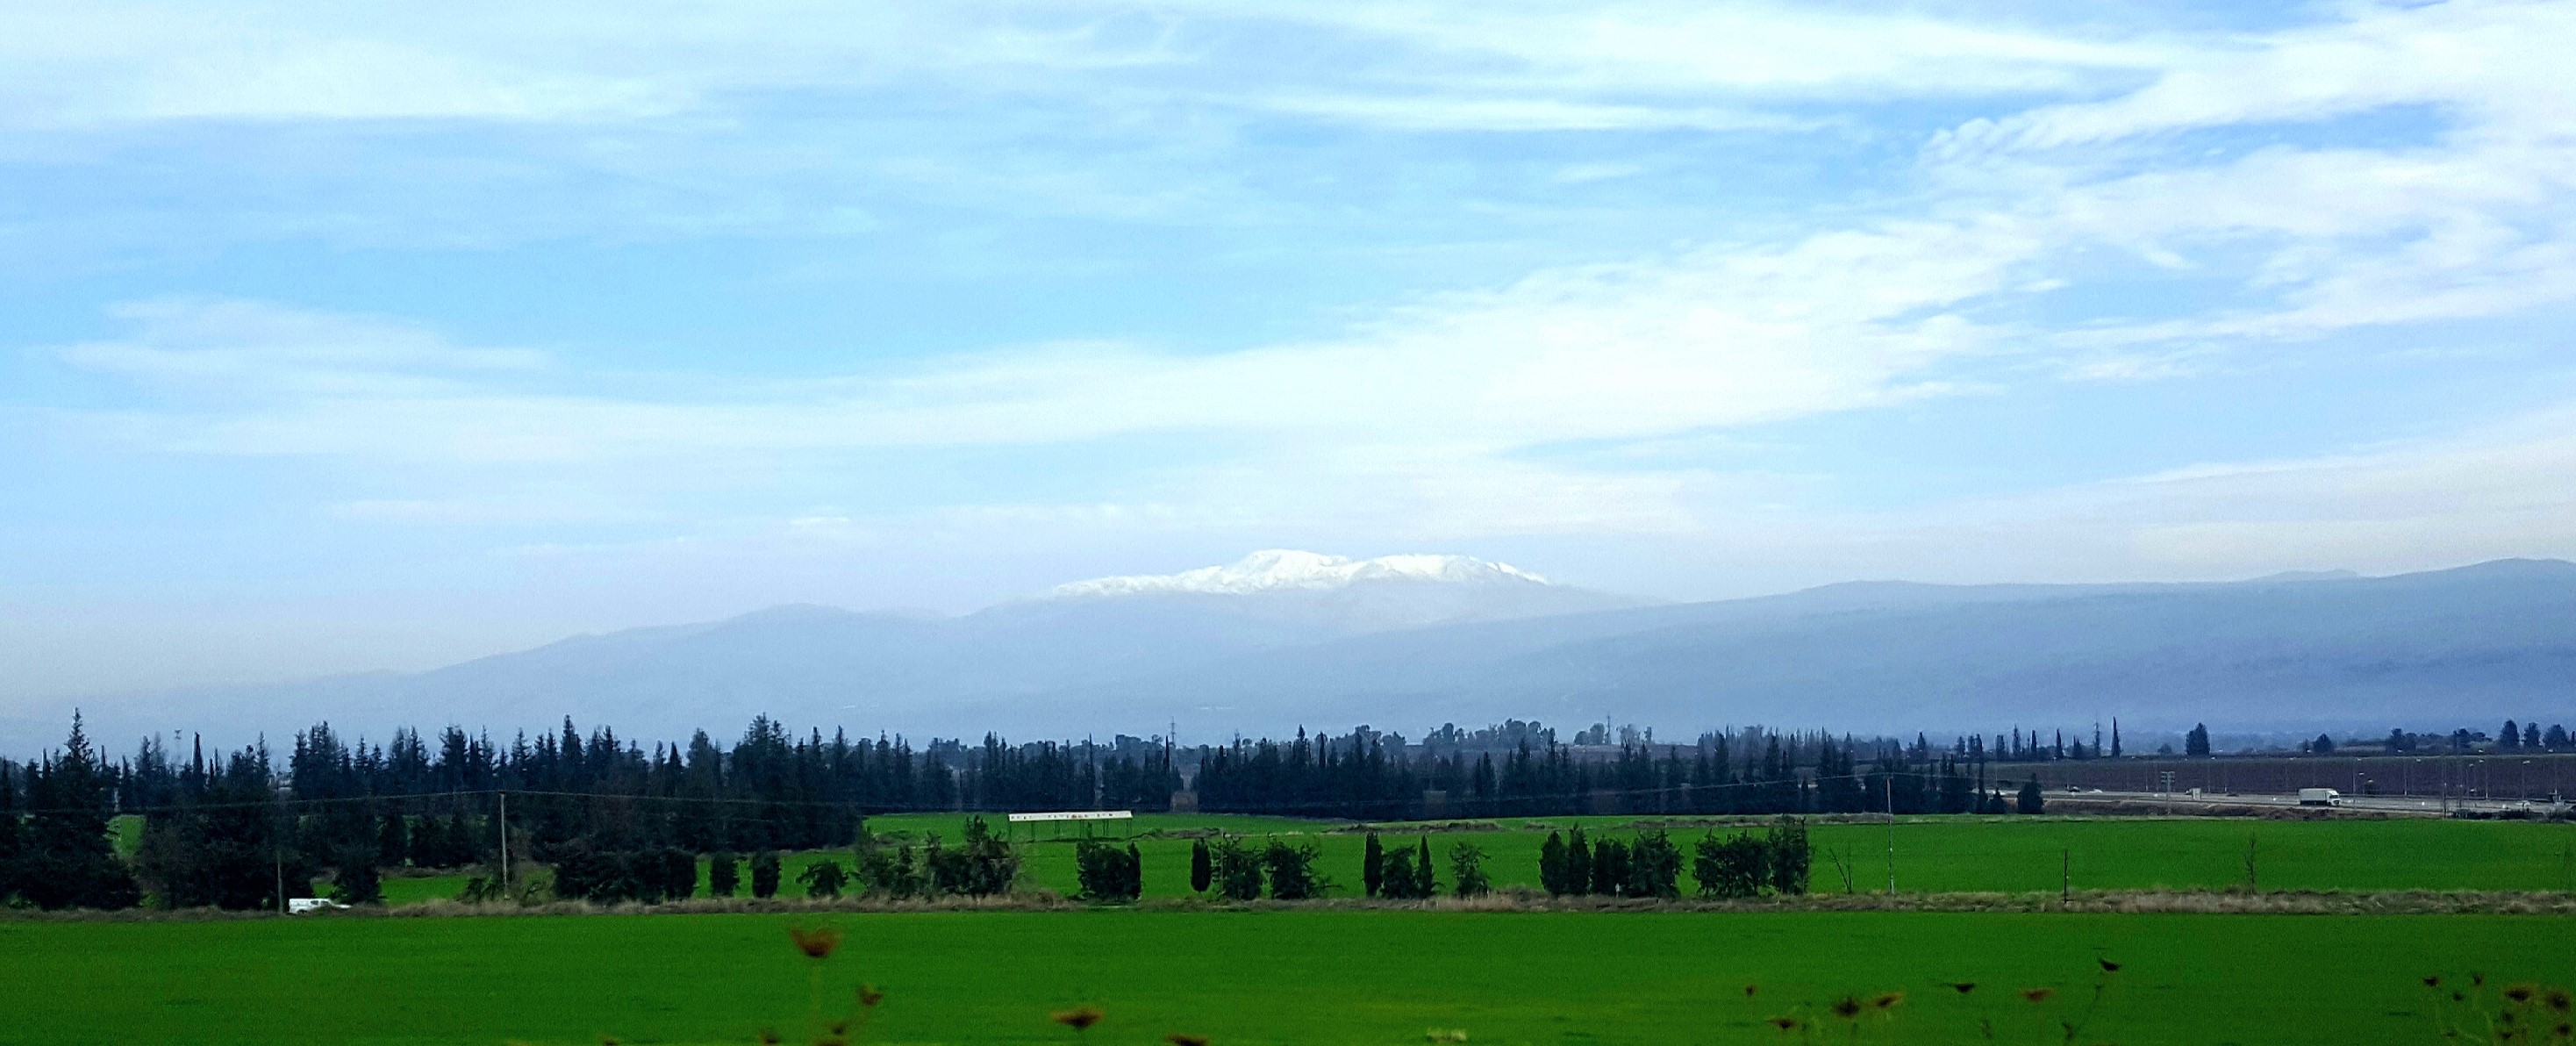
[[1077, 815]]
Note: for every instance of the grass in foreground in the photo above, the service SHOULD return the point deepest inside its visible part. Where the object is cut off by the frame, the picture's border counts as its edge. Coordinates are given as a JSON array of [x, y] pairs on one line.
[[1275, 977]]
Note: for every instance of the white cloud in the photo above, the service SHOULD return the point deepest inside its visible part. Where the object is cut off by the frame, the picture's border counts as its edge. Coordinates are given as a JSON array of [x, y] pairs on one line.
[[1407, 65], [1433, 421], [2501, 59], [1450, 113], [1804, 50]]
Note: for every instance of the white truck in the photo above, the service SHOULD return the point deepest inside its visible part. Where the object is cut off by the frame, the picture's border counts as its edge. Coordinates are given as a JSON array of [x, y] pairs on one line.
[[2320, 797]]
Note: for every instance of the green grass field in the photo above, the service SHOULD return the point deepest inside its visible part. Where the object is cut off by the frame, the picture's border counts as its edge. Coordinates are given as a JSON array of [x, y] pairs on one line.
[[1251, 976], [2006, 854]]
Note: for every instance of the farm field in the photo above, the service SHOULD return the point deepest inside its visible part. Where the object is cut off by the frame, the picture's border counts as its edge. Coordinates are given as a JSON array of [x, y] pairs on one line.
[[2001, 854], [1278, 976]]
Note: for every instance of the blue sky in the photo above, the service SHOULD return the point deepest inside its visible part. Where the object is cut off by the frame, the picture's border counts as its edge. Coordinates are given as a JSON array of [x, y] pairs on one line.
[[333, 340]]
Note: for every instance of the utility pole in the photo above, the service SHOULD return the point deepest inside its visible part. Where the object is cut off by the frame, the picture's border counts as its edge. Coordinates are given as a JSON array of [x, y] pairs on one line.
[[505, 843], [1891, 836]]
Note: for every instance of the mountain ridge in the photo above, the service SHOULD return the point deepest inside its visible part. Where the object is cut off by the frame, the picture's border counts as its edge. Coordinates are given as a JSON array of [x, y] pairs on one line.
[[2481, 641]]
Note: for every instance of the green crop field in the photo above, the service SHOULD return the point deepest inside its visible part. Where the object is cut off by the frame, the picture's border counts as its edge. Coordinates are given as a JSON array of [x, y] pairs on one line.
[[1304, 976], [2007, 854]]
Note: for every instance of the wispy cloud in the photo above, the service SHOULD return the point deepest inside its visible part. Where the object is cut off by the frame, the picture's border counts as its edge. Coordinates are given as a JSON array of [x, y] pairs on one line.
[[1610, 270]]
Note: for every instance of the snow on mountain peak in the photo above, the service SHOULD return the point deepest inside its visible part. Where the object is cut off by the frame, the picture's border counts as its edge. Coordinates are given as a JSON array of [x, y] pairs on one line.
[[1286, 569]]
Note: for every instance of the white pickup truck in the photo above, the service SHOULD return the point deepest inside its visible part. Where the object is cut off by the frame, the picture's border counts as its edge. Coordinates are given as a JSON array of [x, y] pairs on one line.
[[2320, 797]]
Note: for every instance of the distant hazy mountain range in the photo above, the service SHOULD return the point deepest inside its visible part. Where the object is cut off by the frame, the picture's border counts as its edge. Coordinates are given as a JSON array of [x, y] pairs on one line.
[[1407, 642]]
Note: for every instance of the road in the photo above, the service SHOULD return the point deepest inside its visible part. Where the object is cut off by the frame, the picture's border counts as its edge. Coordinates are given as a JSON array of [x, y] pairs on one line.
[[2413, 804]]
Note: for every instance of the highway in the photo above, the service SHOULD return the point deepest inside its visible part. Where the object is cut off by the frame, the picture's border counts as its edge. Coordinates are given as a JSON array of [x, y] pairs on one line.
[[2410, 804]]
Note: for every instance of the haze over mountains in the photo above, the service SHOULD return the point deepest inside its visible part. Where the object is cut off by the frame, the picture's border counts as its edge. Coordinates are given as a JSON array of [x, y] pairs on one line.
[[1404, 643]]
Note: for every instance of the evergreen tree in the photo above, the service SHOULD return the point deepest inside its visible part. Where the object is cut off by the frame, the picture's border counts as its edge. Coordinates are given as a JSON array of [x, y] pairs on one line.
[[70, 862], [1789, 855], [2510, 737], [1424, 885], [1135, 872], [2196, 743], [679, 879], [764, 874], [1372, 865], [1551, 865], [1578, 863], [1400, 878], [1654, 866], [1610, 865], [1202, 867], [1733, 867], [1467, 870], [354, 877], [393, 841], [723, 877], [2030, 800], [12, 834]]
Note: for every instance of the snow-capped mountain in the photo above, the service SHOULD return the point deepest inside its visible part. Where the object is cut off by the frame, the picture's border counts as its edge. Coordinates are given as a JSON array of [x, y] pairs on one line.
[[1330, 595], [1277, 569]]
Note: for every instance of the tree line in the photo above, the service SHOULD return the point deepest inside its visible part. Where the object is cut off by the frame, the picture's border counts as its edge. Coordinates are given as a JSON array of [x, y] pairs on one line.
[[249, 828]]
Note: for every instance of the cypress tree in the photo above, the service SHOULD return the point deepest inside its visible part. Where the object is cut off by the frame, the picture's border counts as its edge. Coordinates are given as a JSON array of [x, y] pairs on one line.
[[723, 878], [764, 874], [1202, 867], [1551, 864], [2030, 801], [1578, 863], [1135, 872], [1372, 865], [1609, 867], [1425, 886]]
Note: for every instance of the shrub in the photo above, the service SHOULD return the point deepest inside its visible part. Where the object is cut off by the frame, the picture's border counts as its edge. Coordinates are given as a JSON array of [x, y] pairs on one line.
[[1292, 871], [1467, 870], [723, 876], [764, 874], [1237, 871], [823, 878], [1108, 873], [1732, 867]]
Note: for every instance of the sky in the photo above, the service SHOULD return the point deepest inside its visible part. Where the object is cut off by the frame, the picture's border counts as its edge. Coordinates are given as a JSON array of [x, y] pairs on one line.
[[338, 337]]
